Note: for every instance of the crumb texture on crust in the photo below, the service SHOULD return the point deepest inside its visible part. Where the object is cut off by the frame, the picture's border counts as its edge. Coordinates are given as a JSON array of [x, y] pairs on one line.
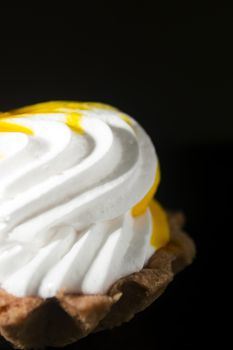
[[32, 322]]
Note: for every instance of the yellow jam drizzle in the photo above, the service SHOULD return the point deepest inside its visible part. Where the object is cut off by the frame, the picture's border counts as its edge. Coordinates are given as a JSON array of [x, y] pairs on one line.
[[73, 118], [126, 119], [142, 206], [59, 106], [160, 231], [10, 127]]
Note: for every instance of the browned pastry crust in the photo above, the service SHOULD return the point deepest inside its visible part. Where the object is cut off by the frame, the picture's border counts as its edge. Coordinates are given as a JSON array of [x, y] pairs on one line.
[[33, 322]]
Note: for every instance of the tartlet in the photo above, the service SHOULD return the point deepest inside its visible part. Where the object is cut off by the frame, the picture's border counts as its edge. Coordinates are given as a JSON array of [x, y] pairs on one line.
[[83, 245]]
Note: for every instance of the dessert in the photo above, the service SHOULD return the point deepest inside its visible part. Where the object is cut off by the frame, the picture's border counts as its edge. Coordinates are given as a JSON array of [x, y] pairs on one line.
[[83, 244]]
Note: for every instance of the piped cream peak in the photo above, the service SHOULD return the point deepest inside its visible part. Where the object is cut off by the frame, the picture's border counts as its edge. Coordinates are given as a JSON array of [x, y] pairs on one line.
[[73, 207]]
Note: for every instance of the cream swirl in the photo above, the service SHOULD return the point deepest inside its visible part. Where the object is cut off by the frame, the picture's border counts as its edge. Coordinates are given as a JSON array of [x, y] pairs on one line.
[[70, 174]]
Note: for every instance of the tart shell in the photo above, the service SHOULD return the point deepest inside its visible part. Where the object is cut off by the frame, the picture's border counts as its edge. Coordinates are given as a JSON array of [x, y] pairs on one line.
[[33, 322]]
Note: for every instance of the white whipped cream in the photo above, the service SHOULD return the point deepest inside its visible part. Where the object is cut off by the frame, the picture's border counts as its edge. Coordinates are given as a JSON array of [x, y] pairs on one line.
[[66, 199]]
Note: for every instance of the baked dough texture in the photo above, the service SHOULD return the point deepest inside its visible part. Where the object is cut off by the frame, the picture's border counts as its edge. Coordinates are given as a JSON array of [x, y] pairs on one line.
[[33, 322]]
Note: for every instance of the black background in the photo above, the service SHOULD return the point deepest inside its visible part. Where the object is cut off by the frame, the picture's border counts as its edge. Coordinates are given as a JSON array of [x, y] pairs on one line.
[[170, 68]]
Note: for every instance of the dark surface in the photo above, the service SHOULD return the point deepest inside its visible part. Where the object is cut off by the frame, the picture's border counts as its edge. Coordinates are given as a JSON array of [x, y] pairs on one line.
[[170, 69]]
